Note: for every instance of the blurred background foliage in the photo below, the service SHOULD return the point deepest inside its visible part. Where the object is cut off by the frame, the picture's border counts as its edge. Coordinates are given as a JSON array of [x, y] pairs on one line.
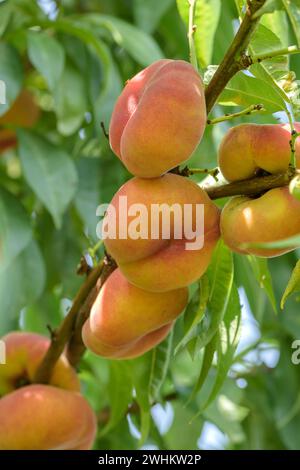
[[224, 379]]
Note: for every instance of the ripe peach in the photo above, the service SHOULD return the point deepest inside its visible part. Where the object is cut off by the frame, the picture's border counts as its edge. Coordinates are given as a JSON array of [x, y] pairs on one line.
[[40, 417], [23, 113], [273, 216], [53, 416], [126, 321], [162, 262], [24, 352], [159, 119], [248, 148]]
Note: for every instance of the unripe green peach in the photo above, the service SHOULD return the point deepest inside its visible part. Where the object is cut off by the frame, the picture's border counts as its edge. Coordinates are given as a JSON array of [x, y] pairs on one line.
[[159, 119], [271, 217], [163, 262], [126, 321], [248, 149]]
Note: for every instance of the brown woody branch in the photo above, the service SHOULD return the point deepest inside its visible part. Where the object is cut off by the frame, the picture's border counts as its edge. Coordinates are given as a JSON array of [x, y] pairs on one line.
[[250, 187], [61, 336], [235, 59], [76, 347]]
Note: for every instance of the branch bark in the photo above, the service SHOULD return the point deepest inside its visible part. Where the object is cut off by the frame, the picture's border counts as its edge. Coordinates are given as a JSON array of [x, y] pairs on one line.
[[250, 187], [61, 336], [76, 347], [235, 59]]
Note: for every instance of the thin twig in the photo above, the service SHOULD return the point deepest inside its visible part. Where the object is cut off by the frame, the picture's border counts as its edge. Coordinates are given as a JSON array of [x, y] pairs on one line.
[[191, 33], [254, 108]]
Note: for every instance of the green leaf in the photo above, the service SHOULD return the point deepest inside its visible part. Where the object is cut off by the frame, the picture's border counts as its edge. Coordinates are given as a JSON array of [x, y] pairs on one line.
[[207, 360], [244, 90], [263, 276], [47, 55], [11, 73], [293, 285], [70, 100], [139, 369], [161, 357], [262, 72], [21, 283], [277, 22], [293, 11], [15, 229], [49, 171], [120, 394], [290, 243], [206, 19], [220, 274], [194, 313], [185, 432], [88, 196], [269, 7], [5, 15], [265, 41], [104, 105], [227, 342], [138, 44], [148, 14]]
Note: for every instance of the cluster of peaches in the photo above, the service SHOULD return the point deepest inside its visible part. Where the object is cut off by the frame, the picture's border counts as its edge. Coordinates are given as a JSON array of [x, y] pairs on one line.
[[157, 123]]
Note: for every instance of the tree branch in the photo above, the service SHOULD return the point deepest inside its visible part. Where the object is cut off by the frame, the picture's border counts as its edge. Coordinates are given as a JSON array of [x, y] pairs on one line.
[[61, 336], [250, 187], [235, 58], [76, 347]]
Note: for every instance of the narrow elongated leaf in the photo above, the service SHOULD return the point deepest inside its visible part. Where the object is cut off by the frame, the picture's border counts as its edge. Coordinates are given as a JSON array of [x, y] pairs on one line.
[[137, 43], [161, 357], [148, 14], [206, 19], [293, 285], [227, 342], [5, 15], [194, 313], [291, 243], [70, 99], [15, 230], [47, 55], [140, 370], [27, 275], [220, 274], [120, 394], [208, 357], [49, 171], [293, 11], [263, 276]]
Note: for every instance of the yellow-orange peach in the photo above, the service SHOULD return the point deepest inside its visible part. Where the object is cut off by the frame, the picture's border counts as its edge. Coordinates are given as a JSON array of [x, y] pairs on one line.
[[159, 119], [24, 352], [23, 113], [249, 148], [40, 417], [271, 217], [53, 416], [163, 262], [127, 321]]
